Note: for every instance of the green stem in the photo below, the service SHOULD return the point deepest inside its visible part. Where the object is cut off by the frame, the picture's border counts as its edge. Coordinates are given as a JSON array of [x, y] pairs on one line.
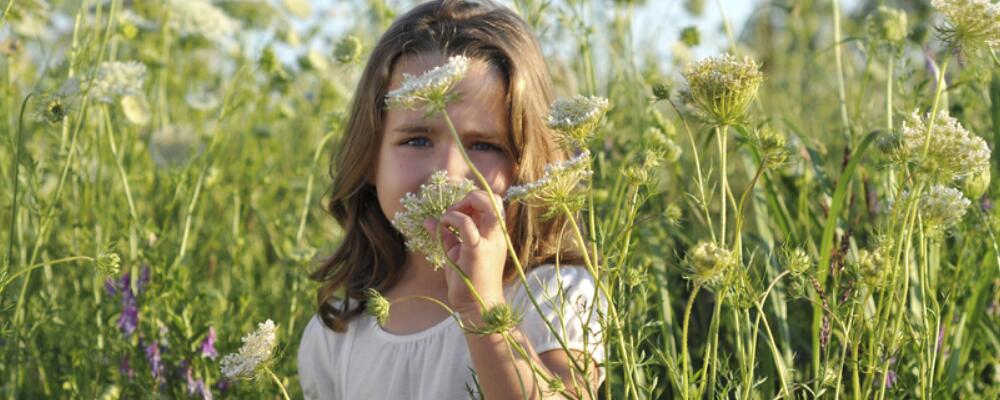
[[11, 278], [685, 358], [278, 381], [17, 164], [720, 135]]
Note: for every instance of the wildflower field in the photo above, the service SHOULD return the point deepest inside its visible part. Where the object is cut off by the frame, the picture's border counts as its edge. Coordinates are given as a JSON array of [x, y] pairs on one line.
[[805, 212]]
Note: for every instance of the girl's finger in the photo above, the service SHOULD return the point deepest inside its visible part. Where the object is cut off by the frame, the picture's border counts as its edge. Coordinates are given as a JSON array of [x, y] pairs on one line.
[[467, 229], [477, 205]]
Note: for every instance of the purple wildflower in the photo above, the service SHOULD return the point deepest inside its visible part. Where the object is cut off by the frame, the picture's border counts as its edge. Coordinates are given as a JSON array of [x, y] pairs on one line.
[[111, 287], [197, 386], [129, 319], [126, 369], [222, 385], [153, 357], [143, 282], [208, 344]]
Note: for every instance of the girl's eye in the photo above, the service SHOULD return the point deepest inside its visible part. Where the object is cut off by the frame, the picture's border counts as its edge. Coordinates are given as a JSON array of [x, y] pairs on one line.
[[483, 146], [418, 141]]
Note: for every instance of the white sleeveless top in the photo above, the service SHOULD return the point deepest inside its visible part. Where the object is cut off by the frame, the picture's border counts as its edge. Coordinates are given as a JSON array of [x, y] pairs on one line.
[[367, 362]]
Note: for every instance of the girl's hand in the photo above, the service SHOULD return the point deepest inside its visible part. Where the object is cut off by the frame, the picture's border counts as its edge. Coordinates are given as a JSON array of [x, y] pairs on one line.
[[481, 253]]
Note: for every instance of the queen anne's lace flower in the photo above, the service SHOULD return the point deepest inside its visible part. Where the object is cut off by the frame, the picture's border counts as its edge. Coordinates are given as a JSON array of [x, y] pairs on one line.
[[558, 187], [721, 88], [939, 208], [200, 18], [431, 87], [116, 78], [952, 153], [431, 201], [257, 350], [377, 306], [574, 119], [969, 24]]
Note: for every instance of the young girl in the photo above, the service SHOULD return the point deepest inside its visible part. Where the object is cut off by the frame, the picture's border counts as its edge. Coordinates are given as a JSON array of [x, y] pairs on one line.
[[420, 351]]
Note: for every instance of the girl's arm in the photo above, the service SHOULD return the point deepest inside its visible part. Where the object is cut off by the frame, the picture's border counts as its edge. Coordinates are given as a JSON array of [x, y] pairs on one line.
[[498, 373]]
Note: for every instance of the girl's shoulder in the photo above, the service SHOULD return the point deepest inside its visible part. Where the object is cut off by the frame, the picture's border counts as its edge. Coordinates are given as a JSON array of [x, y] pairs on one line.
[[553, 281]]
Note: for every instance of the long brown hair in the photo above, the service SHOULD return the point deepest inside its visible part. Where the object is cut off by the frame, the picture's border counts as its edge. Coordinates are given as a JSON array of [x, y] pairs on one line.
[[372, 252]]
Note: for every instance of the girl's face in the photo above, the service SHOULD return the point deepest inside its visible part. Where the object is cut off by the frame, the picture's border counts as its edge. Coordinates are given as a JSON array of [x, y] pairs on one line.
[[413, 147]]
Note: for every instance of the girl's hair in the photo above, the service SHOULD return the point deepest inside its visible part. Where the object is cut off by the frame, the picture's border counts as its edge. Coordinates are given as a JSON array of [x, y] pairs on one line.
[[372, 252]]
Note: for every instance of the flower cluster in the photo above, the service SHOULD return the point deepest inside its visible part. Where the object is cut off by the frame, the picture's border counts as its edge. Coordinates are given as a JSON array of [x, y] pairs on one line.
[[575, 119], [709, 264], [886, 26], [952, 152], [939, 208], [377, 305], [109, 264], [200, 18], [431, 201], [557, 188], [722, 88], [116, 79], [970, 25], [431, 87], [498, 318], [771, 144], [796, 260], [347, 50], [256, 352]]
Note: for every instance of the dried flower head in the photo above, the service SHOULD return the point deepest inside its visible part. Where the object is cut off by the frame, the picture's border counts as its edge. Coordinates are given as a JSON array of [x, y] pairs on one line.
[[498, 318], [870, 268], [200, 18], [708, 264], [952, 153], [377, 305], [939, 208], [575, 119], [975, 185], [886, 26], [257, 351], [721, 88], [116, 78], [431, 201], [970, 25], [348, 50], [558, 187], [431, 87]]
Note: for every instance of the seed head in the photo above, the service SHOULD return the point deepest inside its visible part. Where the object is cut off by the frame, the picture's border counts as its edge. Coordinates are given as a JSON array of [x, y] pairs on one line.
[[257, 351], [721, 88], [953, 152], [109, 264], [708, 264], [575, 119], [772, 146], [348, 50], [970, 25], [431, 201], [886, 26], [431, 87], [377, 305], [559, 187], [797, 261], [498, 318], [975, 185]]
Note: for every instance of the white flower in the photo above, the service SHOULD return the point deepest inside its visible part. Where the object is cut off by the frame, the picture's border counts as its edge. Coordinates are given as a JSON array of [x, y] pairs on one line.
[[200, 17], [558, 186], [939, 208], [431, 201], [257, 350], [431, 87], [970, 24], [953, 152], [576, 118], [116, 78]]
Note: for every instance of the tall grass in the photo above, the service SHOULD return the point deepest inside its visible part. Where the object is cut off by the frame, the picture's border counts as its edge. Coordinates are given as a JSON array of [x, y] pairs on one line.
[[793, 252]]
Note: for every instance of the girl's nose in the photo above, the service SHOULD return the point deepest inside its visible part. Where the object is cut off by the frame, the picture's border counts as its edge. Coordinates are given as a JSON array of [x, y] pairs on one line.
[[454, 163]]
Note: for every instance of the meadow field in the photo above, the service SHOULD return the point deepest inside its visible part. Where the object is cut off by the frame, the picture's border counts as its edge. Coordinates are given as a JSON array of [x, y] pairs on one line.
[[797, 204]]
